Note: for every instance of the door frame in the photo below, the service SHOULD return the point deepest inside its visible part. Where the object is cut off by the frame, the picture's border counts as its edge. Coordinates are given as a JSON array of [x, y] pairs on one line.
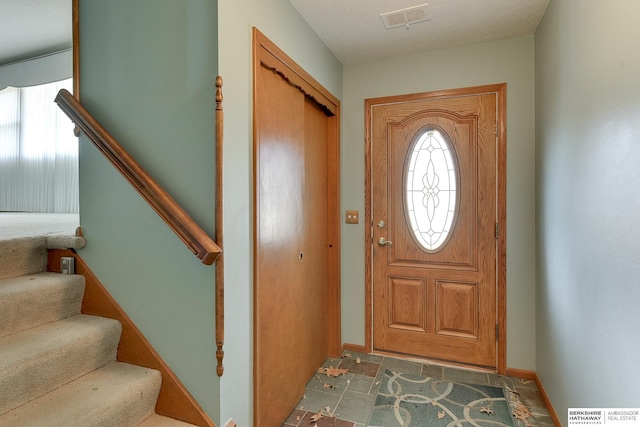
[[266, 53], [501, 169]]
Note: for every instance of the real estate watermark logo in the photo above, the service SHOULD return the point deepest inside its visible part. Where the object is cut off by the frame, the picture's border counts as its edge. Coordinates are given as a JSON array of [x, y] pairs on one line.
[[627, 417]]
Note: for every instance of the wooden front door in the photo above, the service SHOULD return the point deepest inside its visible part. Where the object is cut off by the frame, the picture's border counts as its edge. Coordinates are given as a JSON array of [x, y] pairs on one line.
[[296, 288], [435, 219]]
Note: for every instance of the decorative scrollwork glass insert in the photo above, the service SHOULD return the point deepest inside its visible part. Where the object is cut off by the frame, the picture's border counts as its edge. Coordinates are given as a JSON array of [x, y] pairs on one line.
[[430, 189]]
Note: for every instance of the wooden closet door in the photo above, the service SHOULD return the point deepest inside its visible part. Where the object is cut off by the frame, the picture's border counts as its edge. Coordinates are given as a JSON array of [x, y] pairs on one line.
[[291, 289], [296, 295], [279, 290], [315, 245]]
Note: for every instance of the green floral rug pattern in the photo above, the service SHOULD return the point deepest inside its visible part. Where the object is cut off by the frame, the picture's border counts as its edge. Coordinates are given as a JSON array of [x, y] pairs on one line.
[[416, 400]]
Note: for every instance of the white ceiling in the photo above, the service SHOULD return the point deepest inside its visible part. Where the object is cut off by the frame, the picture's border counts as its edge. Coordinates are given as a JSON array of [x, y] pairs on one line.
[[31, 28], [352, 29], [354, 32]]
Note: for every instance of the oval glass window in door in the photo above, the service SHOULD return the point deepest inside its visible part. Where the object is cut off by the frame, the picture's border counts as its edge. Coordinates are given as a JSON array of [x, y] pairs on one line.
[[431, 192]]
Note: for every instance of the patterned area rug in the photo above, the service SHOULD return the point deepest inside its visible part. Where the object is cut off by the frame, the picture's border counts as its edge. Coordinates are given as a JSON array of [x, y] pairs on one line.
[[416, 400]]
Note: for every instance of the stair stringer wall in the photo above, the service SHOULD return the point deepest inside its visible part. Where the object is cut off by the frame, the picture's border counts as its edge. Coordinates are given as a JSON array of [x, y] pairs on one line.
[[174, 400]]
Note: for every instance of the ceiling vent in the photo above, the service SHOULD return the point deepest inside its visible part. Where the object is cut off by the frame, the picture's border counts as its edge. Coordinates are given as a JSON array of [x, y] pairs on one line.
[[405, 17]]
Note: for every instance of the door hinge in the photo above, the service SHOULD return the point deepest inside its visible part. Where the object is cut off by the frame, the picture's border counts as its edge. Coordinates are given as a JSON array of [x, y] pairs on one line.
[[496, 129], [497, 231], [497, 331]]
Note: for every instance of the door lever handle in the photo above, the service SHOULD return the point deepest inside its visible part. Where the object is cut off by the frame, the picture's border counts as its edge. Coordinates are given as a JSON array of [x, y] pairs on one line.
[[384, 242]]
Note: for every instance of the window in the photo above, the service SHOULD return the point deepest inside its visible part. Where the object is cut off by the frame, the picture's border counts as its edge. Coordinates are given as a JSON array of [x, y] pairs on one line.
[[38, 151], [431, 191]]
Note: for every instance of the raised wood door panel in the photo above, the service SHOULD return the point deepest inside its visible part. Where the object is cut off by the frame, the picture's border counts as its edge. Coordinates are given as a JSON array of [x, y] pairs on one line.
[[296, 286], [439, 303]]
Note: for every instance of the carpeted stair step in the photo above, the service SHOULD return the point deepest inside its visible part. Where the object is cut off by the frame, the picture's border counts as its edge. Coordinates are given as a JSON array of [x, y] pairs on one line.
[[156, 420], [23, 255], [38, 360], [33, 300], [57, 366], [118, 394]]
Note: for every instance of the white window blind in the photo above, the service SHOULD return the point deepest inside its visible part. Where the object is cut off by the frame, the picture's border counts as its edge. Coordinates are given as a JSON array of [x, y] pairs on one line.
[[38, 151]]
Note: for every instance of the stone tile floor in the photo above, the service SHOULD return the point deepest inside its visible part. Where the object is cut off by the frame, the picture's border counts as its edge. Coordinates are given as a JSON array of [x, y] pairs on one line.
[[350, 398]]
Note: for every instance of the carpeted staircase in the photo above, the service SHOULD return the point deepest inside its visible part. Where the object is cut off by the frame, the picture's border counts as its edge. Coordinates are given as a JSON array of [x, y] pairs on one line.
[[58, 367]]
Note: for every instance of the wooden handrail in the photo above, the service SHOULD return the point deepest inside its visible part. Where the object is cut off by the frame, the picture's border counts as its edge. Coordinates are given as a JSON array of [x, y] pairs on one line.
[[169, 210]]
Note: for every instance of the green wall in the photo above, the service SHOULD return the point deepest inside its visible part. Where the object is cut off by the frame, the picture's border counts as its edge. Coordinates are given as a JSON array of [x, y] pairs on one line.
[[508, 61], [147, 74], [588, 209]]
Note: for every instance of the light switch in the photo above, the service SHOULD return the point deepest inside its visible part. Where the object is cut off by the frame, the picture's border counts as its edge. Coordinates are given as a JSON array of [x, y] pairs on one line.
[[351, 217]]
